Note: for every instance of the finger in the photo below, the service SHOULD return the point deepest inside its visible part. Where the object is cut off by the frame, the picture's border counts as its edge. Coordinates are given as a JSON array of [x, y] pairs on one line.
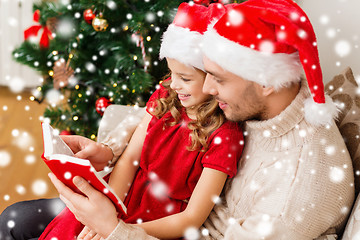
[[83, 154], [67, 203], [83, 233], [85, 187], [97, 237], [72, 141], [90, 235], [66, 192]]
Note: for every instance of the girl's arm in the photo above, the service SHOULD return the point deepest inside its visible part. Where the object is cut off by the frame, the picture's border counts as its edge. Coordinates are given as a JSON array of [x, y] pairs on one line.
[[209, 186], [124, 171]]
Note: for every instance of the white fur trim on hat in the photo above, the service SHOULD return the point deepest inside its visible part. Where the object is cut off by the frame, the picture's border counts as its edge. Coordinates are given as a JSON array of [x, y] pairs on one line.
[[183, 45], [268, 69], [320, 113]]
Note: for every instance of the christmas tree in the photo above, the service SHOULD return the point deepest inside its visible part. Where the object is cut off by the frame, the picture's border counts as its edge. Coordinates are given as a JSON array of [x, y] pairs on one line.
[[95, 53]]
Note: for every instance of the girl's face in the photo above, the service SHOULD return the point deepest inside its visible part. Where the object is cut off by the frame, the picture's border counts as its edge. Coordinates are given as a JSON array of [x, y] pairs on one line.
[[187, 82]]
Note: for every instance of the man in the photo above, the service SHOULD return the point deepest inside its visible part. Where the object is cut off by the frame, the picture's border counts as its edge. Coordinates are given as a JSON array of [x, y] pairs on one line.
[[295, 178]]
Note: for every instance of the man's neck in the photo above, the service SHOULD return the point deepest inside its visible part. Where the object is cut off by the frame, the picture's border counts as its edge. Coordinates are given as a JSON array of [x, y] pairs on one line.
[[280, 100]]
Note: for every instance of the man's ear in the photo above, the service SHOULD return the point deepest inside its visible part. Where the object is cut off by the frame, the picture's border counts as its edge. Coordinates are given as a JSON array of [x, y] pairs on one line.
[[267, 91]]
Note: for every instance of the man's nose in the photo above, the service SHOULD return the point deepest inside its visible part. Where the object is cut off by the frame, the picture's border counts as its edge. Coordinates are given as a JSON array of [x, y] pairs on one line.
[[208, 86]]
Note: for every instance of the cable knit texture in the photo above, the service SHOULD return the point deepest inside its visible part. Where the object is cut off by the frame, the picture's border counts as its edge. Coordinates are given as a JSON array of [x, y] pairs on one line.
[[295, 181]]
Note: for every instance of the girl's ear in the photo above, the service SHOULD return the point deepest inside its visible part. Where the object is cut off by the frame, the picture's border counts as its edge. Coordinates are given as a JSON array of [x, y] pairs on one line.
[[266, 91]]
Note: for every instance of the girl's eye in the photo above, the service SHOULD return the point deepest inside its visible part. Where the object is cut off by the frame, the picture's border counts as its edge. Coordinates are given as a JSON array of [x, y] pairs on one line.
[[185, 79]]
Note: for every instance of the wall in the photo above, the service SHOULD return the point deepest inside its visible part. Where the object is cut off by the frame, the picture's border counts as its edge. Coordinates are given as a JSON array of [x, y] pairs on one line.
[[16, 16], [337, 26]]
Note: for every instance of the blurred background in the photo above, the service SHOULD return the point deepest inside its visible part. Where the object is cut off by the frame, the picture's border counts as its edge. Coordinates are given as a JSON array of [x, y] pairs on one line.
[[26, 93]]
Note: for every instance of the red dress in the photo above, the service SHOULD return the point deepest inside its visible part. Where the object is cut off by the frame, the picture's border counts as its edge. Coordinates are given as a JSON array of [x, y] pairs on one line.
[[168, 172]]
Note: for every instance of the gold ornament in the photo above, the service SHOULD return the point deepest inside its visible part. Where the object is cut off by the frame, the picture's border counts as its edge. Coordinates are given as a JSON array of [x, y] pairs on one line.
[[100, 24]]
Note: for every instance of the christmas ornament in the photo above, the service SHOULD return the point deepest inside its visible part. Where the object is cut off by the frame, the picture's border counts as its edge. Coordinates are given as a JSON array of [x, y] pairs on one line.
[[66, 132], [51, 24], [100, 24], [62, 73], [34, 31], [140, 43], [101, 104], [88, 16]]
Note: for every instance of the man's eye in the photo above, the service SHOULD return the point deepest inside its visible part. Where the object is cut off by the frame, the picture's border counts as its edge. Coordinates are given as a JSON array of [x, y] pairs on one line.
[[218, 80]]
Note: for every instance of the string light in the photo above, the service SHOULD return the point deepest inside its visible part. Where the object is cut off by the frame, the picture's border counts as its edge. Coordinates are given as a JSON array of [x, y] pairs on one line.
[[126, 28], [115, 85], [55, 52], [32, 98], [135, 58], [80, 95], [75, 118], [51, 73], [93, 136], [77, 87], [148, 38]]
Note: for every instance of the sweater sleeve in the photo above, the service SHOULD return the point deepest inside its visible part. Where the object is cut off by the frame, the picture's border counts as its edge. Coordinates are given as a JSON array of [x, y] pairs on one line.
[[125, 231]]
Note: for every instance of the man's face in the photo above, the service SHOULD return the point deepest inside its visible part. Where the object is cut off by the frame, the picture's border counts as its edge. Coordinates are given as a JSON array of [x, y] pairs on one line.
[[240, 99]]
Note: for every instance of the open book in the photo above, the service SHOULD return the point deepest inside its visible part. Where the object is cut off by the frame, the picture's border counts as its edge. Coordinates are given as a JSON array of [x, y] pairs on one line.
[[61, 161]]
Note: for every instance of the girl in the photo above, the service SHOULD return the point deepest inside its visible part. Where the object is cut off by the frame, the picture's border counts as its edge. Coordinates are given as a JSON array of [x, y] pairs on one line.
[[181, 154]]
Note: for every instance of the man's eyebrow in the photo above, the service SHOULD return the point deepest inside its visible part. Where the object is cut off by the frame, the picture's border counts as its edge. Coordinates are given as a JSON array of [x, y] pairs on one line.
[[211, 73]]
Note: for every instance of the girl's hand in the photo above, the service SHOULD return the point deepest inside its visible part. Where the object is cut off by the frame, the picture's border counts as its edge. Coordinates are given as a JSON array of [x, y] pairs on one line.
[[98, 154], [94, 209], [88, 234]]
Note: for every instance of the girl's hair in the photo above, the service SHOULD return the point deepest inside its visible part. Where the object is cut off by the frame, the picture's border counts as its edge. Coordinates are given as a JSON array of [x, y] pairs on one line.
[[209, 117]]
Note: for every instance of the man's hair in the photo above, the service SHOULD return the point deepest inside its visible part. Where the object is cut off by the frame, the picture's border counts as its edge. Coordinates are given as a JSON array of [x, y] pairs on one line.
[[209, 117]]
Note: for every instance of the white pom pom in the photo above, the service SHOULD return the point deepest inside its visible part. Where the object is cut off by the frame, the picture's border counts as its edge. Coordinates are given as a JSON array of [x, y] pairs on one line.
[[320, 114]]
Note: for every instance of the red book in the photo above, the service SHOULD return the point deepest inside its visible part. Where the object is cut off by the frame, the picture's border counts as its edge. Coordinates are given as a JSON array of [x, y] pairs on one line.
[[61, 161]]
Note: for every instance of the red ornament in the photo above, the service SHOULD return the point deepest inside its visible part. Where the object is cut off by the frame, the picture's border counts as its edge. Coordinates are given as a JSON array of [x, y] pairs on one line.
[[101, 104], [89, 15], [66, 132]]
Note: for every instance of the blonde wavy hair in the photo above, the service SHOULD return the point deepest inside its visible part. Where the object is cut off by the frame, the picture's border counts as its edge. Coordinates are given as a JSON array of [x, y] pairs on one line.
[[209, 117]]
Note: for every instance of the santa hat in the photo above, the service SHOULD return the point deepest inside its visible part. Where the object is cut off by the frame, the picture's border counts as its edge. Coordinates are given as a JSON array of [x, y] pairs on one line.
[[271, 42], [182, 39]]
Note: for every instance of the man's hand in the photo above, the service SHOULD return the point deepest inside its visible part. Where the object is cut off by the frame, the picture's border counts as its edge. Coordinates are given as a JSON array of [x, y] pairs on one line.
[[98, 154], [94, 209]]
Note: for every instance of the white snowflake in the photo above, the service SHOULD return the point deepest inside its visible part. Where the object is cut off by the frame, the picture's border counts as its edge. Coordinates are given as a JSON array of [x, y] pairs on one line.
[[336, 174], [5, 158], [342, 48], [191, 233], [235, 18], [39, 187]]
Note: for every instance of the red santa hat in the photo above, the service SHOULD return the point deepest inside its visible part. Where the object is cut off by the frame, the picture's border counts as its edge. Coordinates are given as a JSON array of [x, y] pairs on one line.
[[182, 39], [271, 42]]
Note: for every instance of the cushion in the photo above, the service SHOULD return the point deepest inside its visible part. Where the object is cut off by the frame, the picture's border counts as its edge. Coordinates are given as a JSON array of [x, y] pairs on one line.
[[344, 90], [117, 126]]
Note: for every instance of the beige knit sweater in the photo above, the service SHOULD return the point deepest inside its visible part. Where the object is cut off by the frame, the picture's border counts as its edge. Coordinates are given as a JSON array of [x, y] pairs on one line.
[[295, 181]]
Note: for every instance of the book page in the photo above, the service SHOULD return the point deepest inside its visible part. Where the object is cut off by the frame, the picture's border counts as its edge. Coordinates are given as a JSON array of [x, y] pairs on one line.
[[53, 144]]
